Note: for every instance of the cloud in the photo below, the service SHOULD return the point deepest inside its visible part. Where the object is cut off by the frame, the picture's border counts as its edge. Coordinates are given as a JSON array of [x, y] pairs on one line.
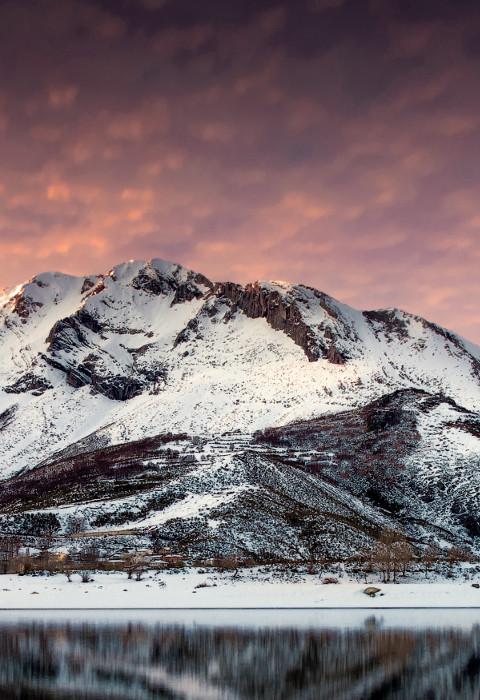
[[214, 132], [62, 97], [58, 192], [456, 124], [335, 147], [150, 118]]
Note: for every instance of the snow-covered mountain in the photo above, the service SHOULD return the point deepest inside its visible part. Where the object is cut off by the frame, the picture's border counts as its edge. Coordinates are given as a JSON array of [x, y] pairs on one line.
[[152, 397]]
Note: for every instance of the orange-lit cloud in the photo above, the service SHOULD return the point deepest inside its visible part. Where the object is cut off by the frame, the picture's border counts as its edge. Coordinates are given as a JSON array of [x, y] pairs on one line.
[[322, 141], [58, 192]]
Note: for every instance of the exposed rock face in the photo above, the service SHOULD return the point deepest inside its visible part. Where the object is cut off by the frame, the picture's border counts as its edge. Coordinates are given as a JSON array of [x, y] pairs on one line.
[[115, 387], [93, 372], [23, 305], [186, 333], [388, 321], [185, 288], [66, 334], [7, 416], [29, 382], [91, 287], [72, 334], [334, 356], [282, 313], [192, 289], [87, 285]]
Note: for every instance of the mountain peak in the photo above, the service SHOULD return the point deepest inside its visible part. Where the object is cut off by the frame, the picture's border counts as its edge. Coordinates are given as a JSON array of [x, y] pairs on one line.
[[122, 382]]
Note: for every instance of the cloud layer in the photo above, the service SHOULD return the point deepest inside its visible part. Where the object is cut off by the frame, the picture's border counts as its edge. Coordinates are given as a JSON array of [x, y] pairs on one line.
[[333, 142]]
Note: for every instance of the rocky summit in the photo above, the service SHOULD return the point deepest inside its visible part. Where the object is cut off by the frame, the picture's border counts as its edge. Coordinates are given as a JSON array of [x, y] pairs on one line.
[[217, 418]]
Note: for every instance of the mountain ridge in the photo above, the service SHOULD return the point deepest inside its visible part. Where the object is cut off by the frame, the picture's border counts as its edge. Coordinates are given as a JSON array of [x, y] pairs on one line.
[[151, 349], [7, 294]]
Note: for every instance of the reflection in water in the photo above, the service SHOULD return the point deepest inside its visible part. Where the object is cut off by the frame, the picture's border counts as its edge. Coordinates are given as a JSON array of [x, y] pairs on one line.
[[139, 661]]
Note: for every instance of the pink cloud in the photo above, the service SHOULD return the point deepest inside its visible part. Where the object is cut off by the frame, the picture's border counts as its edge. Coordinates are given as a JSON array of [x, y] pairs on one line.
[[264, 147], [60, 97]]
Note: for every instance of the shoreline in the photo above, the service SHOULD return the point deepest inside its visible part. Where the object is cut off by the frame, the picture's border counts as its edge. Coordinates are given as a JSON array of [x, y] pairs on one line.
[[252, 608], [344, 619]]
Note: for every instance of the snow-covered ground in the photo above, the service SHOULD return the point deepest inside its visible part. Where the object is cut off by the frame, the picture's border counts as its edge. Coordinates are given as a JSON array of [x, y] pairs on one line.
[[169, 590]]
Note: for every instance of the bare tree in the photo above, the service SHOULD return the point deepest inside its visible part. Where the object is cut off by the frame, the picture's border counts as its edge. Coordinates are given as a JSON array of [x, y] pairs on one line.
[[457, 555], [430, 557], [46, 537], [135, 564], [364, 563], [89, 555], [68, 567], [391, 555], [404, 555]]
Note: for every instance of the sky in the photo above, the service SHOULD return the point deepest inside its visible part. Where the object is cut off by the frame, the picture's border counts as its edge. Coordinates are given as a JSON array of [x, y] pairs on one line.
[[330, 142]]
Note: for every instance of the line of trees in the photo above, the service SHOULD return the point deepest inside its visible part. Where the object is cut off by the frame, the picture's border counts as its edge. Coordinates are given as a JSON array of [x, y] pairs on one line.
[[393, 555]]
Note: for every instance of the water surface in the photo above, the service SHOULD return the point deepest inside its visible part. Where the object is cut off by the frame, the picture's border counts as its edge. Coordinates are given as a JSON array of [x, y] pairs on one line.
[[240, 655]]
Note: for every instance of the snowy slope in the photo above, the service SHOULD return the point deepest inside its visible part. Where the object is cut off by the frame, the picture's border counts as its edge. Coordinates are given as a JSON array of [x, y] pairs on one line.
[[151, 348], [189, 358]]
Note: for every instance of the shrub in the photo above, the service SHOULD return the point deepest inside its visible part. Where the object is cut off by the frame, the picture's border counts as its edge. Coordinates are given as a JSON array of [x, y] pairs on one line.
[[176, 564], [226, 563]]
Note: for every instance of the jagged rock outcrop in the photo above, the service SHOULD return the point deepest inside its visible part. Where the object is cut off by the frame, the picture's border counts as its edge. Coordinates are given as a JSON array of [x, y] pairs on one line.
[[7, 416], [388, 321], [282, 313], [29, 382], [154, 281], [23, 306], [115, 387], [258, 302]]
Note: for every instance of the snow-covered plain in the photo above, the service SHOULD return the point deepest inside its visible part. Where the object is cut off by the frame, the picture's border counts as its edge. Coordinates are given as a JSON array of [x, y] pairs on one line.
[[179, 590]]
